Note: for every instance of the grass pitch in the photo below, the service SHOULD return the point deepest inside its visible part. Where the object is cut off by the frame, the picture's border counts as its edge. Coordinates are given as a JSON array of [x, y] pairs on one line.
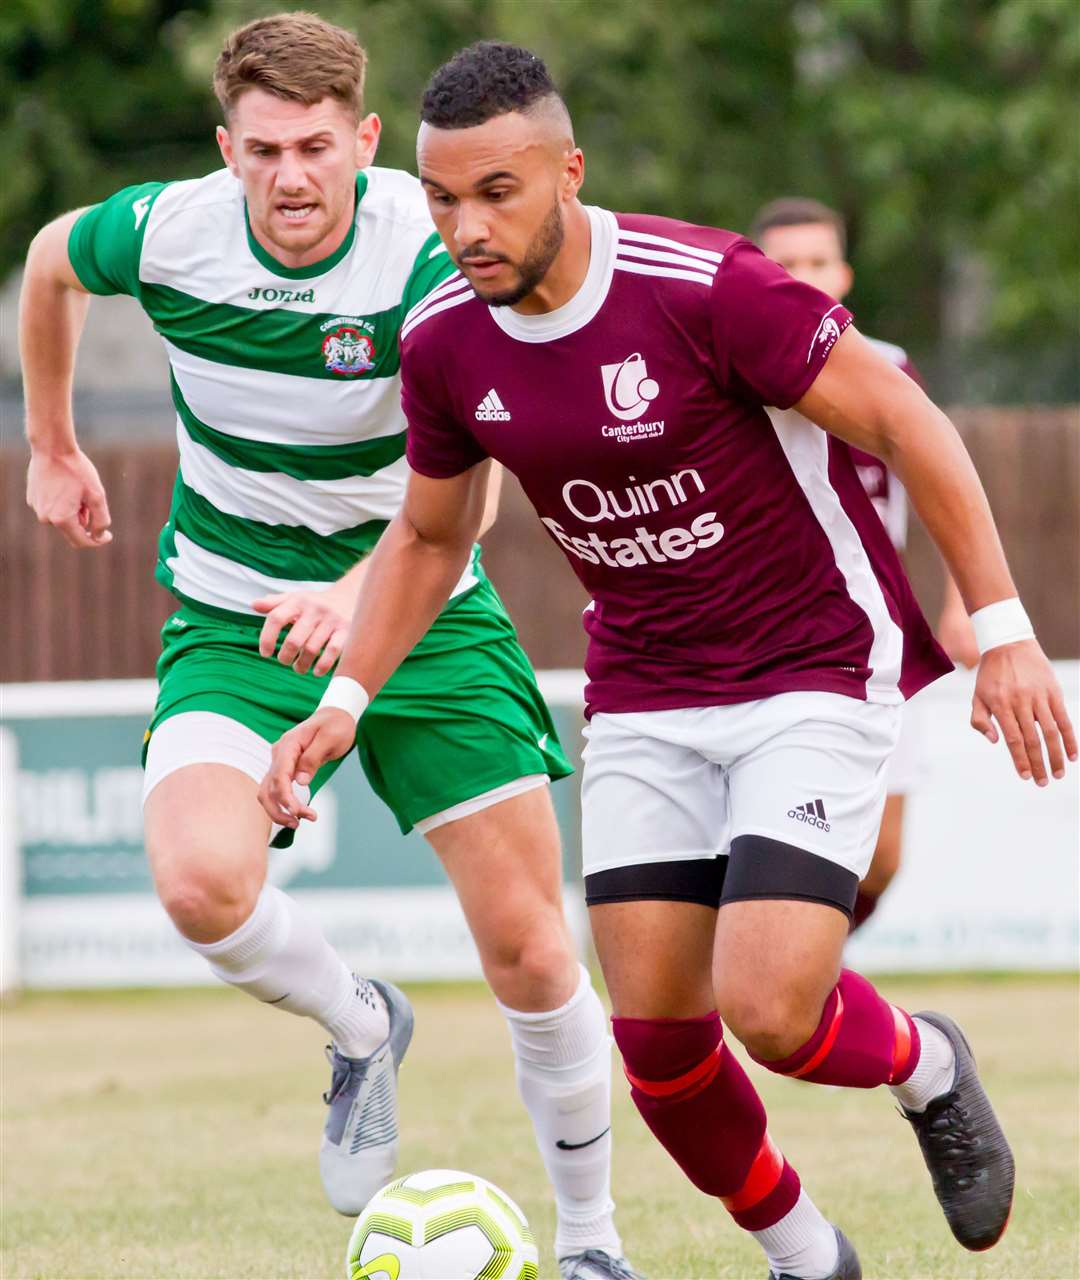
[[173, 1134]]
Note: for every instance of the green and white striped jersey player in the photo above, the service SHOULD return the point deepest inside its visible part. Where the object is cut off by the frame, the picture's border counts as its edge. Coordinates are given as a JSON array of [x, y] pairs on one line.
[[279, 285], [291, 443], [285, 380]]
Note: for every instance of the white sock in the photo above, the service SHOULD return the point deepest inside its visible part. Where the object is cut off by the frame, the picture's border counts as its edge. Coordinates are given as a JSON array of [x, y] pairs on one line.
[[802, 1243], [563, 1060], [934, 1073], [279, 956]]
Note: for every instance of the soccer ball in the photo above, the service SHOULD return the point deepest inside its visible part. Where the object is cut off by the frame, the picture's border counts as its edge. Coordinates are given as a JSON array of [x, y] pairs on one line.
[[442, 1225]]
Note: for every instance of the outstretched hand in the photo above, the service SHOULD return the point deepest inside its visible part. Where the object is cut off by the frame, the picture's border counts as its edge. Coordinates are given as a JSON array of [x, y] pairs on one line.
[[297, 756], [1017, 688]]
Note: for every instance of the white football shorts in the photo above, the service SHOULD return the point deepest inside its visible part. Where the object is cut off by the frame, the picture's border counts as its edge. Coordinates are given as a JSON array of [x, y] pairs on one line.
[[806, 769], [907, 764]]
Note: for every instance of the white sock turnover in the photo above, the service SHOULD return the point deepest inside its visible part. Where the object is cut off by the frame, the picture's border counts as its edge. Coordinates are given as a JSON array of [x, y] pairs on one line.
[[934, 1072], [279, 956], [563, 1060], [802, 1243]]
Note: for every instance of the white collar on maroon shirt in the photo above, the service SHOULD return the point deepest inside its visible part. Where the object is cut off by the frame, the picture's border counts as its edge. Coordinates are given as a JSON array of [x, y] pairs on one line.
[[581, 308]]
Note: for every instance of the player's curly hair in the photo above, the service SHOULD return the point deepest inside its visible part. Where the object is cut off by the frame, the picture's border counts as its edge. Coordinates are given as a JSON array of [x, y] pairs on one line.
[[485, 80]]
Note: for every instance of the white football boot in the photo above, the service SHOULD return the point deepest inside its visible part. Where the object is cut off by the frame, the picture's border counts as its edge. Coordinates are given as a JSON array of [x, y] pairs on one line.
[[359, 1147]]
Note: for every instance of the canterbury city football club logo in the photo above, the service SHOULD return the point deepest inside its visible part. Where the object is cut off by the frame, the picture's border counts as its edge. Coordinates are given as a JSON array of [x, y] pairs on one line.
[[348, 349], [628, 389]]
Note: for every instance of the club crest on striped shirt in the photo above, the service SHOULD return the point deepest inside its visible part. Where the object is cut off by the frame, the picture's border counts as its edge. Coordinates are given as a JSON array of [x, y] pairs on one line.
[[348, 351]]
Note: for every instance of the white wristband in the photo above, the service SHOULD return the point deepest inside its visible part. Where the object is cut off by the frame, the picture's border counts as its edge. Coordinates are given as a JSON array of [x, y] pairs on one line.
[[346, 695], [1003, 622]]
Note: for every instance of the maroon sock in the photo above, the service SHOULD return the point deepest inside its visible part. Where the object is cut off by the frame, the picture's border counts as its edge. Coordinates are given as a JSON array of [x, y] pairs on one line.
[[864, 908], [704, 1111], [862, 1041]]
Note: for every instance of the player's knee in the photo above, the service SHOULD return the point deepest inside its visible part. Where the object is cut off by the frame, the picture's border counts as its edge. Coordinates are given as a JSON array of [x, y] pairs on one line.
[[772, 1024], [204, 904], [532, 968]]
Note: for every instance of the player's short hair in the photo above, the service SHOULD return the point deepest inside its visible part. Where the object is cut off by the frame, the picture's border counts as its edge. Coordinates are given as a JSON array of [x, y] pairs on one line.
[[298, 56], [797, 211], [485, 80]]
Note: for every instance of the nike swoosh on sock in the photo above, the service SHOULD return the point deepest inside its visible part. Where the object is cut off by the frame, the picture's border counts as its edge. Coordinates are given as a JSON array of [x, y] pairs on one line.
[[576, 1146]]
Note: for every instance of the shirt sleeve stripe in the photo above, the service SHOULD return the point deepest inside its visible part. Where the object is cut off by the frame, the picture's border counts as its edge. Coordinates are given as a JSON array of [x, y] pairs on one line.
[[450, 285], [671, 273], [454, 301], [664, 242], [662, 255]]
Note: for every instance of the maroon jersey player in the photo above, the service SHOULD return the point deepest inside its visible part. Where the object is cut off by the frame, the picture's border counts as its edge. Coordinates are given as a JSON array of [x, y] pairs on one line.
[[809, 240], [751, 635]]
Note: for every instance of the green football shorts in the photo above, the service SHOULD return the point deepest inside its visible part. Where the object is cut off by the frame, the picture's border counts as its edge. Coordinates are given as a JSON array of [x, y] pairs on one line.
[[461, 716]]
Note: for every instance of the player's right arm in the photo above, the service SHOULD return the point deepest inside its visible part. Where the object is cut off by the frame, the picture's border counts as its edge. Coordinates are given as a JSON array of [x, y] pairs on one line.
[[62, 484], [94, 250]]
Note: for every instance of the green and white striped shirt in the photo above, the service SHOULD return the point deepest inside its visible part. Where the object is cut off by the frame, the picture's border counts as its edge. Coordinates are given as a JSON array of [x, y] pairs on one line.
[[285, 380]]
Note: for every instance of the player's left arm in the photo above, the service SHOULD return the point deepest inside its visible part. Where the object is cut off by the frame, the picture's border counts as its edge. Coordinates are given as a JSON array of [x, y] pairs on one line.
[[862, 398], [316, 623]]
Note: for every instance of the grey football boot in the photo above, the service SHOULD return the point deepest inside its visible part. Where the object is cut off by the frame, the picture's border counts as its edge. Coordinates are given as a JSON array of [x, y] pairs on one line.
[[596, 1264], [848, 1266], [968, 1155], [359, 1147]]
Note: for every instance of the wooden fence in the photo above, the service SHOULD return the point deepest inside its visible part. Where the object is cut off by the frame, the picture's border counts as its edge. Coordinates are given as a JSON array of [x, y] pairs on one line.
[[95, 614]]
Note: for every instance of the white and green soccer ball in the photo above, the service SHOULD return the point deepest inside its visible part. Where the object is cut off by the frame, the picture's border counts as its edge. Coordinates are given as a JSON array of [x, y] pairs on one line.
[[442, 1225]]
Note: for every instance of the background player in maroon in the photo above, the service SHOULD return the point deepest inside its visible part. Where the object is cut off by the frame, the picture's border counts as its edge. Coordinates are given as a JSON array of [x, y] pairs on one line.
[[809, 240], [751, 637]]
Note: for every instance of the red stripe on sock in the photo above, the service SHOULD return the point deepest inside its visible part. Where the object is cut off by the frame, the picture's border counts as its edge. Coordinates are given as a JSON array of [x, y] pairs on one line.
[[763, 1176], [693, 1080], [826, 1044], [902, 1044]]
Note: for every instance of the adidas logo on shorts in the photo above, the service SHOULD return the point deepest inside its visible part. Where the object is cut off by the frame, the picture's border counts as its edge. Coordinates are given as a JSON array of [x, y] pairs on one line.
[[491, 409], [813, 813]]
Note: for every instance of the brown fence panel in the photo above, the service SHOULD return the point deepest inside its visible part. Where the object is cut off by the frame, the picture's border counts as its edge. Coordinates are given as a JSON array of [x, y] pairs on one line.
[[85, 614], [95, 614], [1029, 461]]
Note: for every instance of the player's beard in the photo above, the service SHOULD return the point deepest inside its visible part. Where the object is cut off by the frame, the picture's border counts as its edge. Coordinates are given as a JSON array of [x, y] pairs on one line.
[[541, 253]]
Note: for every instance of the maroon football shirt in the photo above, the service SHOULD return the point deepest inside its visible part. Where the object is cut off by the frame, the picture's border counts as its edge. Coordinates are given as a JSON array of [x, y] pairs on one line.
[[728, 558]]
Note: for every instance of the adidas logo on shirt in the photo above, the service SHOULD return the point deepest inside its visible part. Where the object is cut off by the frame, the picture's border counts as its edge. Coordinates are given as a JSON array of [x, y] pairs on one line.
[[813, 813], [490, 409]]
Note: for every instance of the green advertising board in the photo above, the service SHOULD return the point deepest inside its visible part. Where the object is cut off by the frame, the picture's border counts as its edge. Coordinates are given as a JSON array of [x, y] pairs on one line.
[[88, 912]]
